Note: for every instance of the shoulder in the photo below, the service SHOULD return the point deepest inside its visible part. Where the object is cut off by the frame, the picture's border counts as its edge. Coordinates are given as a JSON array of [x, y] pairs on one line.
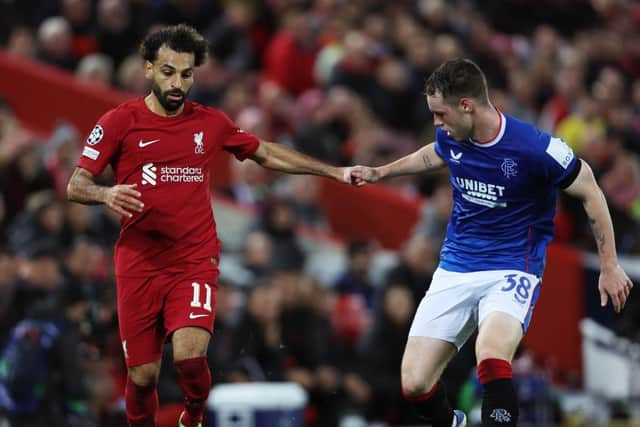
[[123, 113], [203, 110], [530, 138]]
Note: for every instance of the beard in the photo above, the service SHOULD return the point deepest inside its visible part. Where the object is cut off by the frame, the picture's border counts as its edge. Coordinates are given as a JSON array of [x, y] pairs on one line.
[[168, 104]]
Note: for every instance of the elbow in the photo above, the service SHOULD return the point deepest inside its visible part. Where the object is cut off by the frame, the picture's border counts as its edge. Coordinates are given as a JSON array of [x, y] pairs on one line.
[[70, 191]]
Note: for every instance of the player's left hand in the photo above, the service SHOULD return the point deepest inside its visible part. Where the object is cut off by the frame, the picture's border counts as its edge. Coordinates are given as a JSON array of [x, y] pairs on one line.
[[615, 284]]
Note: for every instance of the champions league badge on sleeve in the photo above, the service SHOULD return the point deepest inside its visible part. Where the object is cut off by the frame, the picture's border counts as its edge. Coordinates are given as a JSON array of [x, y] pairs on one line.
[[96, 135]]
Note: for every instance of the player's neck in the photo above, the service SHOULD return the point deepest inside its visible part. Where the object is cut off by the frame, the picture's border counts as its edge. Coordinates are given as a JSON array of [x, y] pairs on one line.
[[154, 105], [487, 124]]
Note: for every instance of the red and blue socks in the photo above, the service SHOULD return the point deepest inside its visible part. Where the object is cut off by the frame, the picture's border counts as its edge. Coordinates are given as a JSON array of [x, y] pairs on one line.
[[499, 400]]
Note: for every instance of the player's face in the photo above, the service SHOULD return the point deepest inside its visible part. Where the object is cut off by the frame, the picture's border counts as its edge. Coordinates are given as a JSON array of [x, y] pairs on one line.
[[452, 117], [171, 76]]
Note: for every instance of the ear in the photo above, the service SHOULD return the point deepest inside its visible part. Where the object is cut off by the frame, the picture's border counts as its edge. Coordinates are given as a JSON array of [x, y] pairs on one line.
[[466, 105], [148, 70]]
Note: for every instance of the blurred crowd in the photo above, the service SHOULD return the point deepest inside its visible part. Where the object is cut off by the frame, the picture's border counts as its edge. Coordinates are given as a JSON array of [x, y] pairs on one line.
[[342, 81]]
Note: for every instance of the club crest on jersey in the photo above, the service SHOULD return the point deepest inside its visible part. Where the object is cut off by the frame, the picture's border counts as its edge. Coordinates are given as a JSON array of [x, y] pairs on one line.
[[197, 139], [509, 168]]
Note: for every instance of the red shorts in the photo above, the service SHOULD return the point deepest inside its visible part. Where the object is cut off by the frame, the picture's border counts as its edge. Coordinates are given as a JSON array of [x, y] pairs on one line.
[[151, 308]]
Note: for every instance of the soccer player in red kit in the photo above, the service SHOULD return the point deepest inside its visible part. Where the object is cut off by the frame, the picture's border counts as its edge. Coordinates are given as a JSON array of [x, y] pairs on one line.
[[160, 148]]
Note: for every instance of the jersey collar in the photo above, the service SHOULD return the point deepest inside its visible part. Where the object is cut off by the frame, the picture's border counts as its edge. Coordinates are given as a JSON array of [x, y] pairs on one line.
[[493, 141]]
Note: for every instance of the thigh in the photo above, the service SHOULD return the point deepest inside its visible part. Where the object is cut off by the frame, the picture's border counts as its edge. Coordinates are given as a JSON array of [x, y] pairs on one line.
[[448, 311], [499, 335], [511, 292], [190, 301], [139, 320]]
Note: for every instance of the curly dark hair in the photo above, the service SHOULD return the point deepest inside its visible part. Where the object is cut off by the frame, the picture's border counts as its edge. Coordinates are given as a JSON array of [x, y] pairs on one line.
[[181, 38], [457, 79]]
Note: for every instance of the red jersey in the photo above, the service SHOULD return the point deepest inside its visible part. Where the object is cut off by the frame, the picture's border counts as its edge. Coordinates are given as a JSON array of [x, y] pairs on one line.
[[169, 159]]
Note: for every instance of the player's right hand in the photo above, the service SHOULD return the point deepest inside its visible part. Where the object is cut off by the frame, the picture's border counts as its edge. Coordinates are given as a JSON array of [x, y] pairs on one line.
[[361, 175], [124, 199], [614, 284]]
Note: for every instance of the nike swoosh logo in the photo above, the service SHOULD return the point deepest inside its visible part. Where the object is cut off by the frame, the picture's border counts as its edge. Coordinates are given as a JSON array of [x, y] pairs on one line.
[[143, 144], [195, 316]]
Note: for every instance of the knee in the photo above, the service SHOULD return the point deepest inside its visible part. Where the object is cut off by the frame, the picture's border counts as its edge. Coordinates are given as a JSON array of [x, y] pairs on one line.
[[145, 375], [414, 383], [189, 343]]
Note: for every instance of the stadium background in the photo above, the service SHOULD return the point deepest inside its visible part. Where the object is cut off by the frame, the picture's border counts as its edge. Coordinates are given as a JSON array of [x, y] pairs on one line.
[[324, 276]]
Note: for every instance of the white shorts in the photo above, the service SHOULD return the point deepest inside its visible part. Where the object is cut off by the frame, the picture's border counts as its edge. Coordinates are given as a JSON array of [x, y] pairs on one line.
[[456, 303]]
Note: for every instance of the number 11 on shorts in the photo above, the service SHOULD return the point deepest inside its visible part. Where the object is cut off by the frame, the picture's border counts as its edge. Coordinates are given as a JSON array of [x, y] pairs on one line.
[[195, 302]]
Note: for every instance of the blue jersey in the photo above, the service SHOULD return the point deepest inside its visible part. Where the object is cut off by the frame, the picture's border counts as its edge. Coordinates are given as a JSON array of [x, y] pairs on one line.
[[504, 197]]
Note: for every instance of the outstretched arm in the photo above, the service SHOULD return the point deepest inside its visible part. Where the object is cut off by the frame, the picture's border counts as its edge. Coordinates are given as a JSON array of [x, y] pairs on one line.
[[123, 199], [613, 282], [421, 160], [284, 159]]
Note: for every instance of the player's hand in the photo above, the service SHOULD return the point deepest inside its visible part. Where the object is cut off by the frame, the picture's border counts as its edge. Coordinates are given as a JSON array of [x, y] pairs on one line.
[[361, 175], [124, 199], [344, 175], [615, 284]]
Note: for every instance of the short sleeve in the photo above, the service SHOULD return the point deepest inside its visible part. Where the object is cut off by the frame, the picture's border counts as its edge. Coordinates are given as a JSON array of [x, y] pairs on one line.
[[558, 160], [238, 142], [103, 142], [438, 147]]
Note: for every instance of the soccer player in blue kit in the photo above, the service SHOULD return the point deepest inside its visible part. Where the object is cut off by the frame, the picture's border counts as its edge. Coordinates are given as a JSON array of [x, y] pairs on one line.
[[505, 174]]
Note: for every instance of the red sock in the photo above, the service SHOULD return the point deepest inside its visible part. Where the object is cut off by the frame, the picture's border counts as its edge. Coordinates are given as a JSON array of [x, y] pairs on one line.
[[493, 369], [195, 381], [141, 404]]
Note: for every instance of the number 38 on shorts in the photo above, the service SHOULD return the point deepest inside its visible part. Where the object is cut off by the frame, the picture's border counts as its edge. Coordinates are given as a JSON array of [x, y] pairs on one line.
[[520, 285]]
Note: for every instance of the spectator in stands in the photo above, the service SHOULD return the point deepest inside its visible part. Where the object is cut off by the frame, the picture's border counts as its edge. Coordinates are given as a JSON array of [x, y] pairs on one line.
[[303, 193], [249, 184], [12, 134], [117, 32], [418, 261], [355, 279], [229, 37], [39, 278], [22, 42], [78, 14], [584, 118], [357, 68], [394, 102], [291, 54], [26, 174], [130, 75], [197, 13], [54, 43], [257, 256], [522, 90], [279, 224], [435, 212], [321, 129], [8, 287], [40, 225], [257, 343], [60, 395], [96, 69], [60, 155], [210, 83], [390, 328]]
